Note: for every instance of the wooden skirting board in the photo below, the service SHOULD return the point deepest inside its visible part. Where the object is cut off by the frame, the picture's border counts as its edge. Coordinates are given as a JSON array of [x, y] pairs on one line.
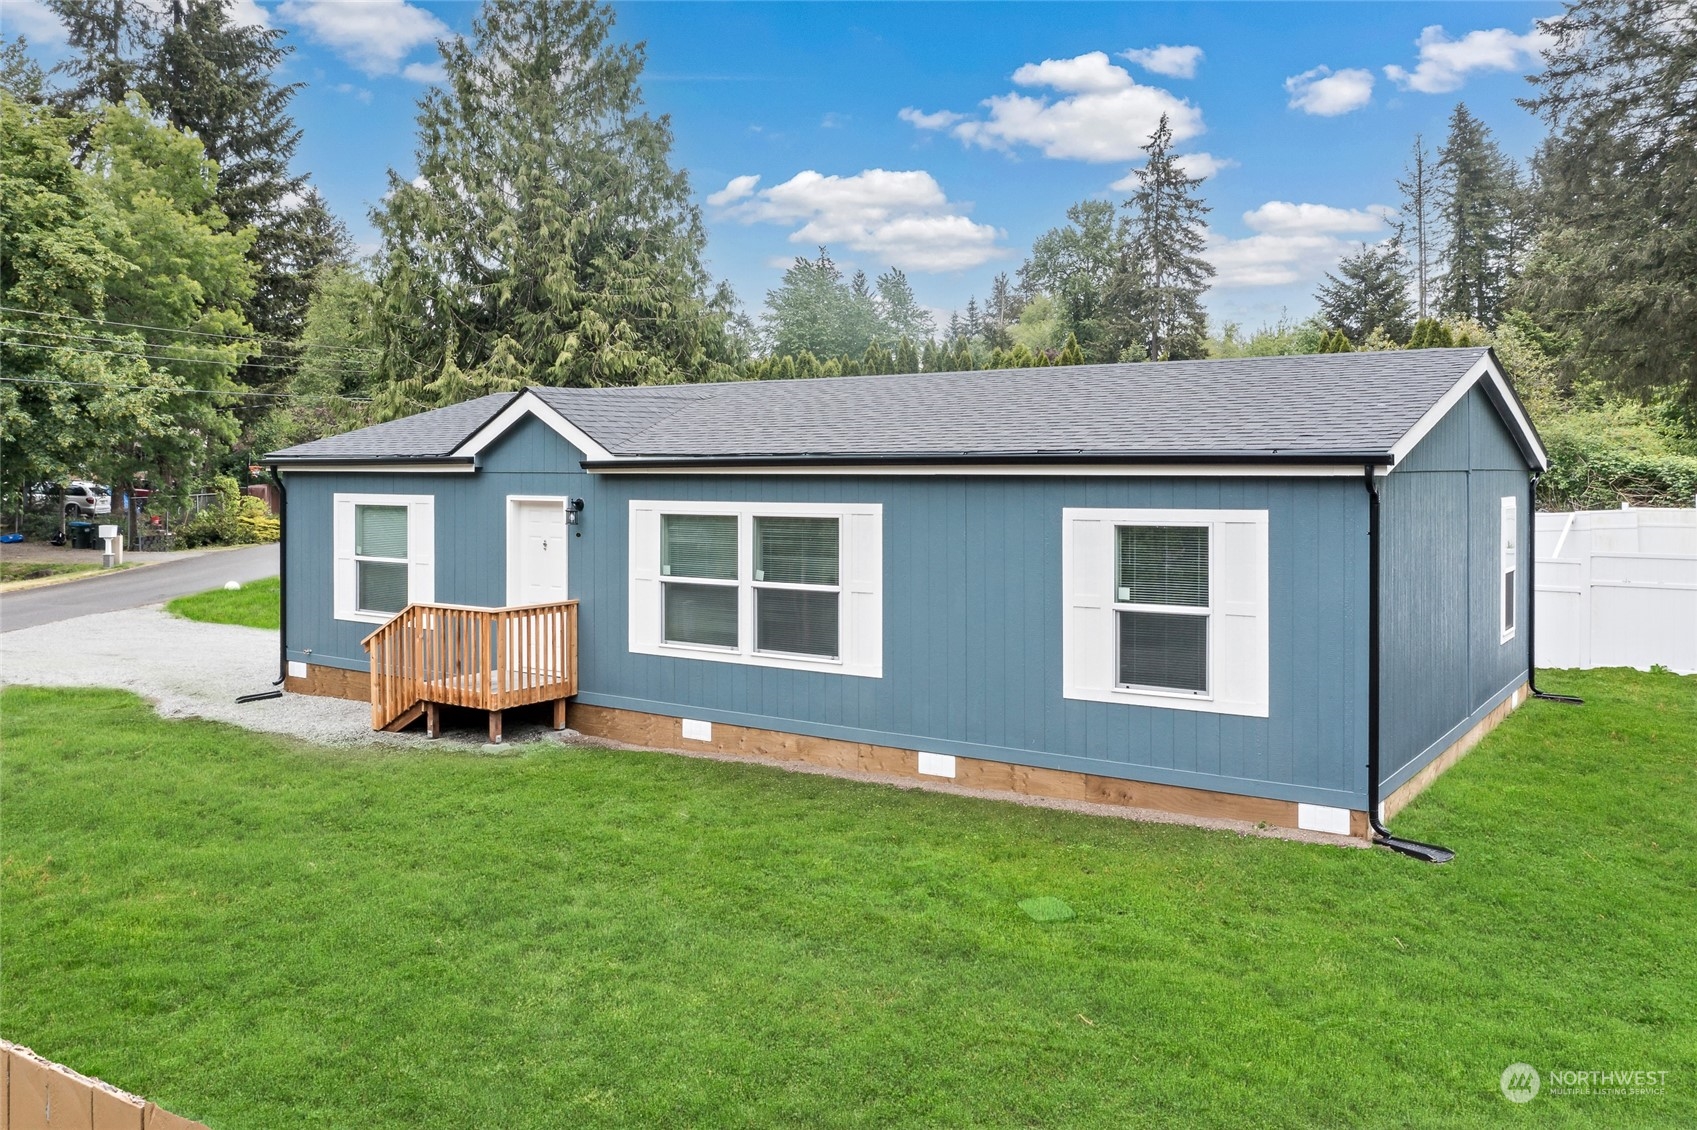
[[665, 733], [1457, 750]]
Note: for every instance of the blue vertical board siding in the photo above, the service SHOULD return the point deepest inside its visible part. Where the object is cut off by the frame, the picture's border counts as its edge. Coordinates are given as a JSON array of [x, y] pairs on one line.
[[1444, 664], [972, 616]]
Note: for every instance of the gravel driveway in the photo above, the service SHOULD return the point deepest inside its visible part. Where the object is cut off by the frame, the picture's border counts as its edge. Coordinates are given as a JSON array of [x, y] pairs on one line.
[[194, 670]]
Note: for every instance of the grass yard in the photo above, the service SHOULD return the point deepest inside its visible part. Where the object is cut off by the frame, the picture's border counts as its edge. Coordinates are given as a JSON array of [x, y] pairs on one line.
[[254, 605], [14, 571], [258, 934]]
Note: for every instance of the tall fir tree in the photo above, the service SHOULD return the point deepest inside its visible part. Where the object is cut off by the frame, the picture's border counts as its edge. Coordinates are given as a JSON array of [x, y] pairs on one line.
[[1418, 221], [546, 239], [1168, 233], [109, 41], [1615, 271], [1475, 187], [1369, 292]]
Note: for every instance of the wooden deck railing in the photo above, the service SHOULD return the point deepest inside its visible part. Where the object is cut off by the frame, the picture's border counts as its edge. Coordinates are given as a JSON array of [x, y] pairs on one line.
[[431, 655]]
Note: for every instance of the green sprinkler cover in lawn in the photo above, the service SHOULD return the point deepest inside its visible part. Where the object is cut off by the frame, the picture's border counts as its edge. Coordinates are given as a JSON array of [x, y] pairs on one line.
[[1046, 908]]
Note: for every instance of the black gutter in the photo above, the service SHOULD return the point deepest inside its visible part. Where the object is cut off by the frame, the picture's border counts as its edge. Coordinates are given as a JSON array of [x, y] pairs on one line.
[[1430, 853], [996, 458], [1532, 599]]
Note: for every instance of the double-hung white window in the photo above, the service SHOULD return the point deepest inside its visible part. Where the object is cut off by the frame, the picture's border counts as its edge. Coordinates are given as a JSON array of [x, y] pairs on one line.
[[796, 585], [1508, 539], [1166, 608], [384, 547]]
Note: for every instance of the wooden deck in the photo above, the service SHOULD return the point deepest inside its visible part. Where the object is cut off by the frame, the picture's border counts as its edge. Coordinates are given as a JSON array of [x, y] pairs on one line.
[[433, 655]]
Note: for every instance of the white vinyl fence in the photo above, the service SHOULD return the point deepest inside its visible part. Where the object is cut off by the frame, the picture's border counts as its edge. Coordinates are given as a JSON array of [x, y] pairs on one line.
[[1617, 588]]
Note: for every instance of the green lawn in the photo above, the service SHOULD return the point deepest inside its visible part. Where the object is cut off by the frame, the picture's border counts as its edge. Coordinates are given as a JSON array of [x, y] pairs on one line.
[[11, 571], [254, 605], [259, 934]]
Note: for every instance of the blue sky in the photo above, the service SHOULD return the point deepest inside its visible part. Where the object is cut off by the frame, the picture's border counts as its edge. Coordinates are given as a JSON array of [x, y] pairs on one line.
[[943, 138]]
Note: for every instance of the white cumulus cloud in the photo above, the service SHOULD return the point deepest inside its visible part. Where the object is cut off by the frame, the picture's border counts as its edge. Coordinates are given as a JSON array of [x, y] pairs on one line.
[[737, 189], [1328, 93], [432, 72], [374, 36], [1174, 62], [1097, 112], [919, 119], [1293, 243], [248, 13], [1445, 63], [902, 218]]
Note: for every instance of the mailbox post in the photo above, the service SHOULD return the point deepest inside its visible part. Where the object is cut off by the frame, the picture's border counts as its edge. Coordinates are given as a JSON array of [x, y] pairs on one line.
[[112, 552]]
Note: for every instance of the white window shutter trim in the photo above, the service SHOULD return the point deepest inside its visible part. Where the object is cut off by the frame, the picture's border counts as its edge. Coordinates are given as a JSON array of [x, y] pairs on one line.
[[863, 591], [421, 550], [342, 578], [1238, 590], [644, 566], [1087, 649]]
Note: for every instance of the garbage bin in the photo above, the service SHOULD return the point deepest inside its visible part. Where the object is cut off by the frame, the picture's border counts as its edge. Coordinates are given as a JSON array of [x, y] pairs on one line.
[[80, 534]]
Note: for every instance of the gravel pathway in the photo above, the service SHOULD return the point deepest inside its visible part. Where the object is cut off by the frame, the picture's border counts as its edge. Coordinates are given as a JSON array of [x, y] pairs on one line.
[[193, 670]]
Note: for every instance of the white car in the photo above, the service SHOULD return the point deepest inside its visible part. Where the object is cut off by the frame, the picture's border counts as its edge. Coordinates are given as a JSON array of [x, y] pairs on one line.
[[86, 498]]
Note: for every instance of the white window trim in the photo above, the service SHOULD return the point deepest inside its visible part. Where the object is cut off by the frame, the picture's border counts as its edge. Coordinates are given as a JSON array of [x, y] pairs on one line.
[[513, 501], [1238, 638], [860, 557], [421, 552], [1508, 561]]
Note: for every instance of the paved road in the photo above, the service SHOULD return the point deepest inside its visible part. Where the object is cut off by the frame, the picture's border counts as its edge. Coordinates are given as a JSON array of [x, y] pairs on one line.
[[132, 588]]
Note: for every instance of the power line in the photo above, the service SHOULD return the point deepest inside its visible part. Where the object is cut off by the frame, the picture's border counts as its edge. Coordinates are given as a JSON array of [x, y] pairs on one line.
[[161, 329], [341, 368], [187, 391], [159, 357]]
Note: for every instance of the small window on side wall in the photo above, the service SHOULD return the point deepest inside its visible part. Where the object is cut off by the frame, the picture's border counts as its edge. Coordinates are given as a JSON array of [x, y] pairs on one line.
[[1508, 539], [1161, 605], [384, 549]]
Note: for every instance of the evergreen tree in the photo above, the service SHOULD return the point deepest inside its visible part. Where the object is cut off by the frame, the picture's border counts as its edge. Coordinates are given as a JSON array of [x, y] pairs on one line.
[[974, 323], [899, 312], [1616, 267], [1001, 310], [20, 75], [957, 328], [110, 41], [876, 361], [1072, 353], [1476, 183], [907, 357], [1429, 333], [1371, 294], [931, 357], [1168, 233], [1417, 223], [547, 238]]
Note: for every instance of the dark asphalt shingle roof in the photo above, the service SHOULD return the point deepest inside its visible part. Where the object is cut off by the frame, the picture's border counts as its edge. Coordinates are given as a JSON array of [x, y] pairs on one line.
[[1337, 405]]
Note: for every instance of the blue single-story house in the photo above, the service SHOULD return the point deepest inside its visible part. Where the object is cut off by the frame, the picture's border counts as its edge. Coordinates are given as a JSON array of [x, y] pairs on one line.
[[1149, 585]]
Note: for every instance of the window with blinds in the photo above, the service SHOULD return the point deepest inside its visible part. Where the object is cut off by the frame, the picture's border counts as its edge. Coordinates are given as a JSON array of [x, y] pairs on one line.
[[797, 597], [698, 572], [1161, 604], [380, 558]]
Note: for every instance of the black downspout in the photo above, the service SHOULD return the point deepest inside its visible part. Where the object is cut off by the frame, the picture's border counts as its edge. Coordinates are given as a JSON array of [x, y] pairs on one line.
[[1430, 853], [282, 596], [1532, 600]]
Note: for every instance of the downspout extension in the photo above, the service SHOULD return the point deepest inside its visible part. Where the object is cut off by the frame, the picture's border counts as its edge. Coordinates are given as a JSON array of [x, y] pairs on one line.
[[1429, 853], [1532, 600]]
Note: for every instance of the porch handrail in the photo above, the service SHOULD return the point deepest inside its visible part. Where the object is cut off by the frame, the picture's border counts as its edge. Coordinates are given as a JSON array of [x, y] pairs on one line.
[[463, 655]]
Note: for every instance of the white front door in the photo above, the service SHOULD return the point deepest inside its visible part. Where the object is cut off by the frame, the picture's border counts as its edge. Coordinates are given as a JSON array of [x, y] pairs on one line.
[[536, 544]]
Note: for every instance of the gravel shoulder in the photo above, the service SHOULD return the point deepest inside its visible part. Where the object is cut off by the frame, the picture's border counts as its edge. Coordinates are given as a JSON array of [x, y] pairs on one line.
[[194, 670]]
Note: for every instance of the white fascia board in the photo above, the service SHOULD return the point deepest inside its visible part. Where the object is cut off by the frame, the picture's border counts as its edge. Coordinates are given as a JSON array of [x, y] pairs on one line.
[[1483, 368], [378, 467], [1018, 470], [532, 405]]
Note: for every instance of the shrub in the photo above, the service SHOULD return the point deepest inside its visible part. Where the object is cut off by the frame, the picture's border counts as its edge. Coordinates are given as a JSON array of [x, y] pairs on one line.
[[234, 519]]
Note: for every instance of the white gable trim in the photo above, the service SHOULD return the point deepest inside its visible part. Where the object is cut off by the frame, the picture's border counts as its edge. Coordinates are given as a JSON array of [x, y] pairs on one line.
[[1484, 368], [532, 405]]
